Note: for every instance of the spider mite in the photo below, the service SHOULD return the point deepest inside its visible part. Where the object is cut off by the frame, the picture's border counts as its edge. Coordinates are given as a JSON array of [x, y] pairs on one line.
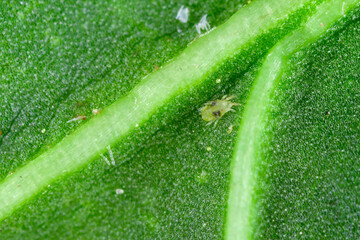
[[214, 110]]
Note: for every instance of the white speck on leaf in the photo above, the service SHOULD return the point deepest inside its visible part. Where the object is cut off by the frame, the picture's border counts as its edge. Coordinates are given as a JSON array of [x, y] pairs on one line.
[[119, 191], [95, 111]]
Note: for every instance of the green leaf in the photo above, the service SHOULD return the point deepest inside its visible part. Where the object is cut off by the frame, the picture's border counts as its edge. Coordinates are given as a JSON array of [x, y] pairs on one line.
[[249, 142], [169, 175]]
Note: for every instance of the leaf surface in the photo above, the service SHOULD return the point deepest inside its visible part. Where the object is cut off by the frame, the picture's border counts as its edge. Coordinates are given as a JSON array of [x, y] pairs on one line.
[[172, 171]]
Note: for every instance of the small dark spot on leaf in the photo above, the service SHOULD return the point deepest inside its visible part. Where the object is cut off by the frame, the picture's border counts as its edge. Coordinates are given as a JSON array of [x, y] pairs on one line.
[[216, 114], [327, 113], [213, 103]]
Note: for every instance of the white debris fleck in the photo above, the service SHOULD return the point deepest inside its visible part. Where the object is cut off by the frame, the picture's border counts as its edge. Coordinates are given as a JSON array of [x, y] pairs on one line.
[[119, 191], [203, 24], [218, 80], [43, 130], [111, 155], [105, 159], [95, 111], [183, 14], [137, 125]]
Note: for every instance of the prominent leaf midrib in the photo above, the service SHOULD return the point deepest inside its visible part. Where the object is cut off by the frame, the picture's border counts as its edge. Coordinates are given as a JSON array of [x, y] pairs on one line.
[[189, 69], [241, 205]]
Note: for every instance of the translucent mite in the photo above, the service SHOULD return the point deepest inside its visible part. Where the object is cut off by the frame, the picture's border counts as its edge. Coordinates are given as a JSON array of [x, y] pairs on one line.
[[183, 14], [203, 24], [214, 110]]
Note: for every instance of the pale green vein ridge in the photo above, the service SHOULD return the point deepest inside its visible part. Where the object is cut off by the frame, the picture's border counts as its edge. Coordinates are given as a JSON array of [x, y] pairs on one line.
[[241, 207], [187, 70]]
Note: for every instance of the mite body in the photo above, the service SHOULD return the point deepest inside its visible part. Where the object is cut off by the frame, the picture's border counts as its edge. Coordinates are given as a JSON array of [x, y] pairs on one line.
[[214, 110]]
